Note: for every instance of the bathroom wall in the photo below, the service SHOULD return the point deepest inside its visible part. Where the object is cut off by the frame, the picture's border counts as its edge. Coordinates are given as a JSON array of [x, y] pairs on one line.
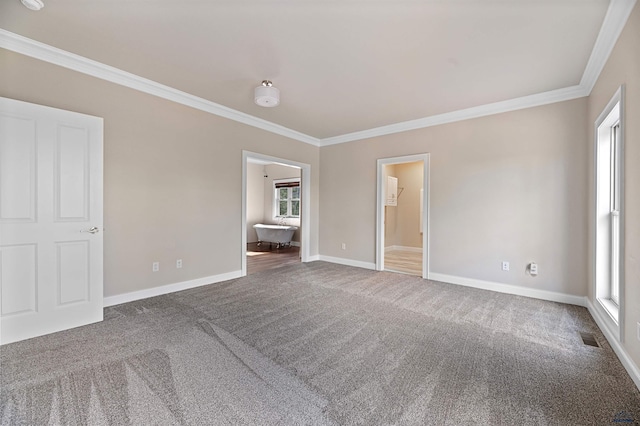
[[390, 212], [278, 171], [407, 228], [255, 199]]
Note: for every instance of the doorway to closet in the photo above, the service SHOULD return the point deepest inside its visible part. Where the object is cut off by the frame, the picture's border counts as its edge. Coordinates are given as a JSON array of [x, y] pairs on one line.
[[402, 215]]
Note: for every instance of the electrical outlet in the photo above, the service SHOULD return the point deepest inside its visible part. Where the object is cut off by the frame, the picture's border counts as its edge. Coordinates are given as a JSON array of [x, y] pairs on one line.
[[505, 266], [639, 331], [155, 267], [344, 246], [179, 263]]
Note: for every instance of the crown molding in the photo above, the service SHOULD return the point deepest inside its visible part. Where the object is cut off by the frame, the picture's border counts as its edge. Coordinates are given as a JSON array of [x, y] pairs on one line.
[[538, 99], [613, 24], [53, 55]]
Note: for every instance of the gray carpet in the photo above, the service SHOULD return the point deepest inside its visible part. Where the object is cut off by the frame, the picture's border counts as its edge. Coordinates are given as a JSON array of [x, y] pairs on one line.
[[316, 344]]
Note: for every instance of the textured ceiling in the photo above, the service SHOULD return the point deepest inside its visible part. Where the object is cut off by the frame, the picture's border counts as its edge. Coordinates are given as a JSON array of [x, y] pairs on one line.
[[341, 66]]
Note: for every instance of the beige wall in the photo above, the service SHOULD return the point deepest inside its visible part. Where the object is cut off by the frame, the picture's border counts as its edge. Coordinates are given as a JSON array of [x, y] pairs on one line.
[[509, 187], [402, 222], [172, 175], [410, 178], [390, 212], [623, 67], [255, 199]]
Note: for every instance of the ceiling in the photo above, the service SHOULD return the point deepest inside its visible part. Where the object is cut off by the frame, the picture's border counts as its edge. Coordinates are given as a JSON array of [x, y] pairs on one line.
[[341, 66]]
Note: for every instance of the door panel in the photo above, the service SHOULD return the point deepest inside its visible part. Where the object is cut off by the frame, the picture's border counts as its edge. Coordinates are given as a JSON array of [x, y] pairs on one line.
[[17, 169], [72, 177], [50, 194], [73, 272], [18, 272]]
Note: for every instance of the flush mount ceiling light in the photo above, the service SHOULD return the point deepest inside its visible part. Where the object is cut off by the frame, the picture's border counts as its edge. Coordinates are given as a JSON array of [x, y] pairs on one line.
[[266, 95], [33, 4]]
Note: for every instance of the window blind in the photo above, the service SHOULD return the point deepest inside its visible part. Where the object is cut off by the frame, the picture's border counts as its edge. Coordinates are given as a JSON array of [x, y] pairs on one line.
[[286, 184]]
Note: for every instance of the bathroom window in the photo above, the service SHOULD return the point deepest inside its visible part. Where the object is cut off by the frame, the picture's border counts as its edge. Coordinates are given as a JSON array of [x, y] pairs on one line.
[[287, 197]]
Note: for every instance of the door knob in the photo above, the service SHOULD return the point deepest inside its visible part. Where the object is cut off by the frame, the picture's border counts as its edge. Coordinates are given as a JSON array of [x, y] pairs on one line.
[[92, 230]]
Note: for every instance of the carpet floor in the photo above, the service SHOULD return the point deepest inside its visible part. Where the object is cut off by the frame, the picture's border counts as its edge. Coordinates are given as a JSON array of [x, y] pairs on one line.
[[322, 344]]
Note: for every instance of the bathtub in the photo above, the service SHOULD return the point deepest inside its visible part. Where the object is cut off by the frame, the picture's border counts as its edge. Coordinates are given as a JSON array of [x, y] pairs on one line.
[[278, 234]]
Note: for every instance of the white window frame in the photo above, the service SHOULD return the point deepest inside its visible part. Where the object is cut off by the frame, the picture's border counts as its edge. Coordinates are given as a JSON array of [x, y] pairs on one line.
[[608, 256], [277, 199], [615, 191]]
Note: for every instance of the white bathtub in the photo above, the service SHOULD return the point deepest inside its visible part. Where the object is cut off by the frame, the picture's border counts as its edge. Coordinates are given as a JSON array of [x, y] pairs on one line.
[[278, 234]]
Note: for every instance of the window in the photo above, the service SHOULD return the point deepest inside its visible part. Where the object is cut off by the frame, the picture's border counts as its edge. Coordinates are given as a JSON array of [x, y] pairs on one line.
[[609, 224], [287, 197]]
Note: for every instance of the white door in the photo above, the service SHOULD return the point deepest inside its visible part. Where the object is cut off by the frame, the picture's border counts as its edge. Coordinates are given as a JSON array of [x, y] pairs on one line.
[[50, 220]]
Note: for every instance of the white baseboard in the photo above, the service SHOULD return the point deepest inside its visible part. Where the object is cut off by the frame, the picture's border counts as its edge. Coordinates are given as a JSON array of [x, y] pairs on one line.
[[169, 288], [625, 359], [313, 258], [623, 356], [347, 262], [510, 289], [403, 248]]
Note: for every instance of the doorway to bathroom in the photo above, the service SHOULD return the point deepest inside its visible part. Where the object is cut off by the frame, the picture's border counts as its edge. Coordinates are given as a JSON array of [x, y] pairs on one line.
[[275, 212], [402, 234]]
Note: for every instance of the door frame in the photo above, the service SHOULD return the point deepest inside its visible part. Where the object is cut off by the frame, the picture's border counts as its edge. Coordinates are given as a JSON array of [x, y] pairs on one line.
[[380, 216], [305, 216]]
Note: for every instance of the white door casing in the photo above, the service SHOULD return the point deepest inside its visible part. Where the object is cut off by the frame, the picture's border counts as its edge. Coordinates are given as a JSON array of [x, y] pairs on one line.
[[51, 179]]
